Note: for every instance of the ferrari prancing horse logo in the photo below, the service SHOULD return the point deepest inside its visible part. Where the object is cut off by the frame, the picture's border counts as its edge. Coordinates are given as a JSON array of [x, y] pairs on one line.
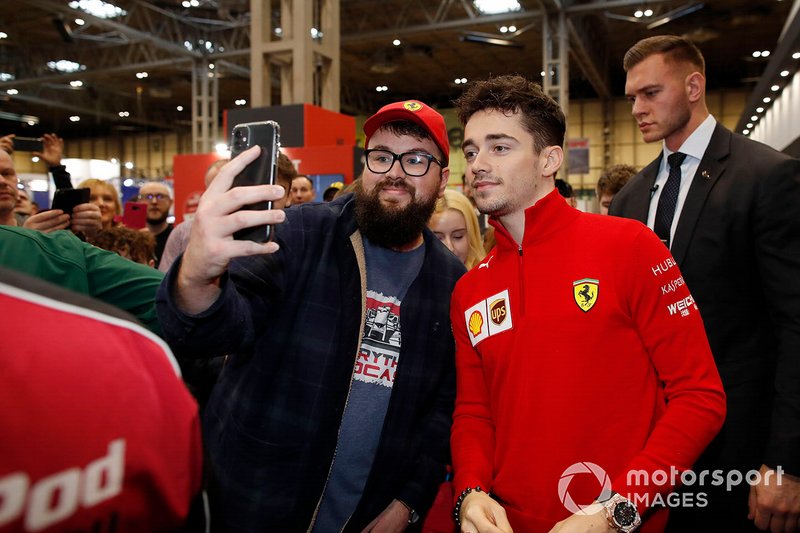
[[412, 105], [585, 292]]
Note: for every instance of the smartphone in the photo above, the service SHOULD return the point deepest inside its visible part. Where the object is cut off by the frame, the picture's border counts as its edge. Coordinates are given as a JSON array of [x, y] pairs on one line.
[[262, 171], [67, 199], [134, 215], [28, 144]]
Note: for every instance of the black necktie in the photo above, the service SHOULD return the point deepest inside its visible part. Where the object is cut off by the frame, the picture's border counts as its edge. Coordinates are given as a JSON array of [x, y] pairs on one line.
[[669, 198]]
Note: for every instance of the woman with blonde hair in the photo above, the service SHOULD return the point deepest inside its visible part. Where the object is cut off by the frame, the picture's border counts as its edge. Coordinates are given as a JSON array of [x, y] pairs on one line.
[[106, 197], [455, 223]]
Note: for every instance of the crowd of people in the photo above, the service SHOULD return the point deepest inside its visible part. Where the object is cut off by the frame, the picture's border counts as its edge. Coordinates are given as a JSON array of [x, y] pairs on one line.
[[376, 366]]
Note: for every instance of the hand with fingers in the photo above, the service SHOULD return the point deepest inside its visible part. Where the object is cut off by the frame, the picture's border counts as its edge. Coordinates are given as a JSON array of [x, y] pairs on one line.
[[47, 221], [211, 244], [482, 514]]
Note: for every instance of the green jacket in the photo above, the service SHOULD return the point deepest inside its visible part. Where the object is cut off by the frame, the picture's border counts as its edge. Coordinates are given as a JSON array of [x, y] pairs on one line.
[[63, 259]]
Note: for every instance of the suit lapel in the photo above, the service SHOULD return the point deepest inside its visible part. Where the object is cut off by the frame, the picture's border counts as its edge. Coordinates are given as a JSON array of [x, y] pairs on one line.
[[711, 168], [641, 192]]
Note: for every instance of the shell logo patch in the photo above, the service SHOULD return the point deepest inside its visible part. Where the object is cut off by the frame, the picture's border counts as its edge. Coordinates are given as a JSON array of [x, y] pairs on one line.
[[585, 292], [475, 323], [412, 106], [497, 309]]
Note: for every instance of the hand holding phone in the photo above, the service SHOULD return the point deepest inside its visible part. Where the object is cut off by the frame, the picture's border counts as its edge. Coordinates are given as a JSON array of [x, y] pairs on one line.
[[28, 144], [135, 215], [262, 171], [67, 199]]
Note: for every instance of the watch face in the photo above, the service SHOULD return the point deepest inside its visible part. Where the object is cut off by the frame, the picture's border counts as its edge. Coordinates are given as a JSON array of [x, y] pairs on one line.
[[624, 514]]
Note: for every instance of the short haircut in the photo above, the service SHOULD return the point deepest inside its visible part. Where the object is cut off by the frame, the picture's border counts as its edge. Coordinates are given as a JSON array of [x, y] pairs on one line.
[[286, 171], [674, 48], [138, 246], [614, 178], [564, 188], [541, 116]]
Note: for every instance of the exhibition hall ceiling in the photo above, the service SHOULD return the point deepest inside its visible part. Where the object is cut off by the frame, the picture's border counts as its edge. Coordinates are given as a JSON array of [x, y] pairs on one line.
[[414, 48]]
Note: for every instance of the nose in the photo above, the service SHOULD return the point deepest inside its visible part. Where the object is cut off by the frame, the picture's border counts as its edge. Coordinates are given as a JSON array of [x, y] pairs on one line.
[[449, 243], [637, 108]]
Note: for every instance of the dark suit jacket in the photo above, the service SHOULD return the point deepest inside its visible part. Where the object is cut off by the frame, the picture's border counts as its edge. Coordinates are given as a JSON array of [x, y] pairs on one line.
[[737, 244]]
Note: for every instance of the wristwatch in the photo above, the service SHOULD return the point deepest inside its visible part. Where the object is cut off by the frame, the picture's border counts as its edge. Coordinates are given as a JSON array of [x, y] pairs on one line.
[[621, 513]]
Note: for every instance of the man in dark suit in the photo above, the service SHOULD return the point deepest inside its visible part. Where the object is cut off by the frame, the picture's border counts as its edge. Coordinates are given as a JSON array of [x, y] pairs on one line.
[[730, 212]]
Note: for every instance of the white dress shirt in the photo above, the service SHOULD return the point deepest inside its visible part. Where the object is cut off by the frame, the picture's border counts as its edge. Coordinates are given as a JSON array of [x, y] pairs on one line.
[[694, 147]]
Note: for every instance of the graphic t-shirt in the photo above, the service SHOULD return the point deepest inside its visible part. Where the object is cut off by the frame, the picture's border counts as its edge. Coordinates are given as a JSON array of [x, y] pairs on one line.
[[389, 274]]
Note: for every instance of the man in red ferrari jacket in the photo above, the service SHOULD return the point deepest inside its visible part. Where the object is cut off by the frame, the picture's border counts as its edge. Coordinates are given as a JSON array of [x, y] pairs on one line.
[[540, 400]]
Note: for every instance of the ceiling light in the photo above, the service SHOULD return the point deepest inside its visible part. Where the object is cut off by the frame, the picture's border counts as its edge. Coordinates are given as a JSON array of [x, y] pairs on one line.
[[76, 83], [767, 99], [278, 31], [648, 12], [80, 22], [12, 92], [63, 65], [396, 42], [759, 110], [315, 33], [775, 88], [124, 114], [493, 7], [512, 28], [240, 101], [186, 4], [765, 53], [179, 108], [141, 75], [784, 73], [746, 132], [129, 165], [381, 88], [638, 13], [503, 29], [796, 55], [3, 35], [754, 118], [542, 73], [194, 3], [749, 124], [35, 159], [98, 8], [74, 118], [756, 54]]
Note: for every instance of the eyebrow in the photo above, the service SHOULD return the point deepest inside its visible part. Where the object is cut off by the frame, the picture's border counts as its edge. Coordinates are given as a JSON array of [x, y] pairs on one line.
[[491, 137], [643, 89], [388, 149]]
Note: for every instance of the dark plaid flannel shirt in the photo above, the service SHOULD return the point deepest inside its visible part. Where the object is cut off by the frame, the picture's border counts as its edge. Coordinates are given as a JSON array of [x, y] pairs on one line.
[[292, 322]]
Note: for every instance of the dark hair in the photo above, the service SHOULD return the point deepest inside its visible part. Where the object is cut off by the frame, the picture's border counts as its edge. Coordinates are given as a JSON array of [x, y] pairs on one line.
[[139, 246], [614, 178], [286, 170], [412, 129], [541, 116], [674, 48], [564, 188]]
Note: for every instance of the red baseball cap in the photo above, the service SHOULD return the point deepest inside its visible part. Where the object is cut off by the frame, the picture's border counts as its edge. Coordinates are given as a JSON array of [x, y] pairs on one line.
[[414, 111]]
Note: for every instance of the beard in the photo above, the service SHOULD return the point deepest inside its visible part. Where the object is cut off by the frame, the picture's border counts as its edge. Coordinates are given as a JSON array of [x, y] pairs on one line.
[[390, 226], [156, 219]]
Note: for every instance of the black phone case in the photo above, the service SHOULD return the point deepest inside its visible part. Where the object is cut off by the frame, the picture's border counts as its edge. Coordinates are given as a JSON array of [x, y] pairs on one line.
[[262, 171], [67, 199], [28, 144]]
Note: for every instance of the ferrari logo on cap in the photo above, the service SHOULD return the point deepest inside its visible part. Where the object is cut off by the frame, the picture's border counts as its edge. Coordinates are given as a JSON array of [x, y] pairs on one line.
[[585, 292], [412, 106]]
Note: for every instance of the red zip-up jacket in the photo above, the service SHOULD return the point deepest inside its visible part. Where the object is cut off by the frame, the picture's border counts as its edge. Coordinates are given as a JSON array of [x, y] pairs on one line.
[[580, 355]]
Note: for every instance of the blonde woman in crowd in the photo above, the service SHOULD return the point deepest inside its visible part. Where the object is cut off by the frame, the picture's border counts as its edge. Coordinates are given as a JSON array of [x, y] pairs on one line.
[[106, 197], [455, 223]]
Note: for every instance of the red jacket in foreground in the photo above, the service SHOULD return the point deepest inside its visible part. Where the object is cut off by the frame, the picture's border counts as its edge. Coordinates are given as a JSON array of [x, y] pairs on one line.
[[581, 361]]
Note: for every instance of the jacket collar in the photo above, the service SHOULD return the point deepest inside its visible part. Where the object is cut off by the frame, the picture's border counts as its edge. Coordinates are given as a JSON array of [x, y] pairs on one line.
[[543, 219]]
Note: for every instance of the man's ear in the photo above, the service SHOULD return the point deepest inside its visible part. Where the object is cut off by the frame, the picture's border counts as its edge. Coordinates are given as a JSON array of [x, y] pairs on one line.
[[443, 181], [695, 86], [553, 159]]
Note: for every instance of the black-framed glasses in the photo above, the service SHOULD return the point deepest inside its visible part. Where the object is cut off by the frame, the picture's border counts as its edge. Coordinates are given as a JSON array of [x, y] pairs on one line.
[[149, 197], [413, 163]]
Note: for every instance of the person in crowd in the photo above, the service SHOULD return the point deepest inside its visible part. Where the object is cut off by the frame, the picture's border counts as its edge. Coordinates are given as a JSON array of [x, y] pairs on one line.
[[332, 190], [324, 418], [105, 196], [158, 198], [85, 218], [729, 210], [533, 407], [611, 181], [302, 190], [24, 207], [138, 246], [455, 224], [99, 433], [566, 192], [179, 238]]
